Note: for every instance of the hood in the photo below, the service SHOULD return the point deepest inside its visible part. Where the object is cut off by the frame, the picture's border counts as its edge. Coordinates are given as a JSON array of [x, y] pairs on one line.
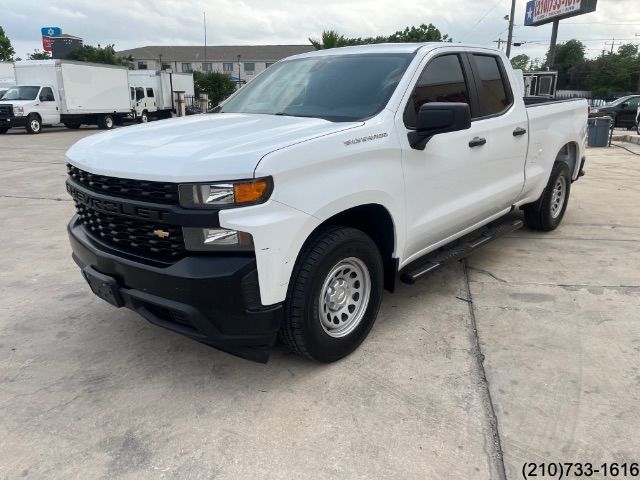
[[207, 147]]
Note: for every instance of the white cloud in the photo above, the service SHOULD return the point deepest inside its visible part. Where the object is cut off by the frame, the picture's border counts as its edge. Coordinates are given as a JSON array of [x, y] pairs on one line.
[[133, 23]]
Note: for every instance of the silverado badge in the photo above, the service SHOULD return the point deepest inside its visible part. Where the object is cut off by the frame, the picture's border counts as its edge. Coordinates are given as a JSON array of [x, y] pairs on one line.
[[161, 234]]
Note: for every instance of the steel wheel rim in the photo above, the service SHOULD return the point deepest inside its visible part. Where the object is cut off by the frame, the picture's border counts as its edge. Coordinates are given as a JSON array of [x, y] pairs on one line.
[[109, 122], [35, 125], [144, 118], [558, 196], [344, 297]]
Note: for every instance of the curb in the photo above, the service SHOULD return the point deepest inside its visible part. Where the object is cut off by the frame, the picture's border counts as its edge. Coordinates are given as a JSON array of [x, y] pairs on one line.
[[627, 138]]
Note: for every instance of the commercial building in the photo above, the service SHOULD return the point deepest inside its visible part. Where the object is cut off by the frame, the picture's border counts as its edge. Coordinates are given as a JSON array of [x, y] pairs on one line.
[[245, 60]]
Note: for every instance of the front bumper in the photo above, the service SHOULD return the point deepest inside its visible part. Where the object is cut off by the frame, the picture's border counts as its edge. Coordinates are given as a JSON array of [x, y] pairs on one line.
[[212, 299], [10, 122]]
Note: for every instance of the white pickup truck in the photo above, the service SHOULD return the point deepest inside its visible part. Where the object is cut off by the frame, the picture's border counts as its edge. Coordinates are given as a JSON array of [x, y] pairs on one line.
[[313, 188]]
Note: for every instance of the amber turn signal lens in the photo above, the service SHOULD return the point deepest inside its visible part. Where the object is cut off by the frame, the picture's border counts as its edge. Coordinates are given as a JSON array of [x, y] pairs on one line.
[[250, 192]]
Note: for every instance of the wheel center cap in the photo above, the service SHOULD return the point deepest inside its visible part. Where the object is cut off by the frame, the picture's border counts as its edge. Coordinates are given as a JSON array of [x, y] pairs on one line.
[[337, 294]]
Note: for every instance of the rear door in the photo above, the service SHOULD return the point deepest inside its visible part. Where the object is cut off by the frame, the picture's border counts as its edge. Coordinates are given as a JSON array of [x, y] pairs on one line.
[[627, 114], [461, 178]]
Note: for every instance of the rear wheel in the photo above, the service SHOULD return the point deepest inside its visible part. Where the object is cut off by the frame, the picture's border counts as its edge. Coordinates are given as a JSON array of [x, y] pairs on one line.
[[3, 130], [34, 124], [546, 213], [334, 295], [106, 122]]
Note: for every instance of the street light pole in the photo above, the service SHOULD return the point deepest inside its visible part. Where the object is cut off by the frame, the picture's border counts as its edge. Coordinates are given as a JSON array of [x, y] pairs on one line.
[[204, 17], [239, 79], [552, 46], [511, 22]]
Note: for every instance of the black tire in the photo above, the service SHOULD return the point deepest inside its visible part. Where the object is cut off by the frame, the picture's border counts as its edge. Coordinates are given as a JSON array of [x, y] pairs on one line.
[[144, 117], [72, 126], [3, 130], [106, 122], [34, 124], [302, 329], [540, 214]]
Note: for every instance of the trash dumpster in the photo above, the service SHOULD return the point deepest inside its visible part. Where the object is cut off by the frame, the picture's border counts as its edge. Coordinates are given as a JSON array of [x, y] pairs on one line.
[[599, 129]]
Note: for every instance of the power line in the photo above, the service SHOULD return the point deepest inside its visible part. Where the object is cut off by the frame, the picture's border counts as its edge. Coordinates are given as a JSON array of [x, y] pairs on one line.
[[480, 20]]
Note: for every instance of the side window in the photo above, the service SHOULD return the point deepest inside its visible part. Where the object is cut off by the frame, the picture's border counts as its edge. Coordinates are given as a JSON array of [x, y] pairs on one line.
[[493, 93], [442, 80], [150, 92], [46, 95], [139, 93], [133, 93], [633, 103]]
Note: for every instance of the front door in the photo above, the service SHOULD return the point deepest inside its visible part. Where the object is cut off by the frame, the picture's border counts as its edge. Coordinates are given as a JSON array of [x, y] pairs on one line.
[[461, 178], [48, 107]]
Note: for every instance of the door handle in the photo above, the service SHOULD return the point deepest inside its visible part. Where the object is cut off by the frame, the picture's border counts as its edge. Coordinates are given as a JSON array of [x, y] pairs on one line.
[[477, 142], [519, 131]]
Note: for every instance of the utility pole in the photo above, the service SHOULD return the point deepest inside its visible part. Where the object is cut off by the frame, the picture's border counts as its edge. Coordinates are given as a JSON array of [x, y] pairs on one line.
[[499, 42], [552, 45], [613, 44], [511, 21], [204, 19]]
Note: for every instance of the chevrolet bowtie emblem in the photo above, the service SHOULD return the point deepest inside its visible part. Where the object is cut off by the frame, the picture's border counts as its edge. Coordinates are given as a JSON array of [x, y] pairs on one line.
[[161, 233]]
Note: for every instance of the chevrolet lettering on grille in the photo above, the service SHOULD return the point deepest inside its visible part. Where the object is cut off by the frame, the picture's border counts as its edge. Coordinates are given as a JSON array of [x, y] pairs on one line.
[[111, 206]]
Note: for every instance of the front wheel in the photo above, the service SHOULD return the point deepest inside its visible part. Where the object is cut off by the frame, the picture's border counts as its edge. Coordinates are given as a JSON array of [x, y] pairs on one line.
[[547, 212], [3, 130], [34, 124], [144, 117], [334, 295], [638, 126]]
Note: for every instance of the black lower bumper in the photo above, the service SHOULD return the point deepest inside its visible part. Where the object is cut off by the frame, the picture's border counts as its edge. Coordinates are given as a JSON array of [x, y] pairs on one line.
[[212, 299], [10, 122]]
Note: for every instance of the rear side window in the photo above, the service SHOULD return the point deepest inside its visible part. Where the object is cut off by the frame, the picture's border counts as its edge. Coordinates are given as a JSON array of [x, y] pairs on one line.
[[493, 95], [150, 92], [442, 80]]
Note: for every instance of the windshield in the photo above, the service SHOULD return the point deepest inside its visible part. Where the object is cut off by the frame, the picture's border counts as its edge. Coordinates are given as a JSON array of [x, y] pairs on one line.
[[619, 101], [336, 88], [21, 93]]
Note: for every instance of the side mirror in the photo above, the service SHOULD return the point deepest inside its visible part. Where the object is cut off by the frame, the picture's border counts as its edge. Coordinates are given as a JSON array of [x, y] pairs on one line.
[[435, 118]]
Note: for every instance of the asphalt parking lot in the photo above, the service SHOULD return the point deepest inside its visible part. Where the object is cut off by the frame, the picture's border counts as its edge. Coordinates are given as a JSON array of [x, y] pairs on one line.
[[527, 352]]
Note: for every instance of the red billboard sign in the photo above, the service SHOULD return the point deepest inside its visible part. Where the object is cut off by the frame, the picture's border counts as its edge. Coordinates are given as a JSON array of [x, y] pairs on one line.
[[46, 44]]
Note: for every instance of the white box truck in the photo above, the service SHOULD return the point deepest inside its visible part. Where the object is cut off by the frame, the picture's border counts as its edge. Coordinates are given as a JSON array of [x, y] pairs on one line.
[[7, 77], [48, 92], [152, 92]]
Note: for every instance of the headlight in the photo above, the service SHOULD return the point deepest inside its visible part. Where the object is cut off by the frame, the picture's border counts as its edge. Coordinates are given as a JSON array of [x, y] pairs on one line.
[[18, 111], [216, 239], [225, 195], [595, 110]]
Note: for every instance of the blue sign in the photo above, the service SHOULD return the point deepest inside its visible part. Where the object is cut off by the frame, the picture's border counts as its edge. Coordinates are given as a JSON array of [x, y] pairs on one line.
[[530, 13], [51, 31]]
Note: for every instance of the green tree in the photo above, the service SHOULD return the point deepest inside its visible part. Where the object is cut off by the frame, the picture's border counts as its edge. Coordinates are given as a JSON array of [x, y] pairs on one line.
[[329, 39], [6, 49], [108, 55], [568, 54], [39, 55], [217, 85], [521, 62], [422, 33]]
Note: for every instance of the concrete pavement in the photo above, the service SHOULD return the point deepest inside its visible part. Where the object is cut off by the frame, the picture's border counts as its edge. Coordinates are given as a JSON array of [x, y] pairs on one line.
[[89, 391]]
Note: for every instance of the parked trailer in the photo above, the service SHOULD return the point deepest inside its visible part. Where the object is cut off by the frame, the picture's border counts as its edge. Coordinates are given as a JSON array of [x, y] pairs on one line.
[[49, 92], [151, 92]]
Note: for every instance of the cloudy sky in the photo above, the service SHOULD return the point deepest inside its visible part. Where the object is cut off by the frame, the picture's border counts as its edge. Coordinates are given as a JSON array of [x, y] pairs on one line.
[[133, 23]]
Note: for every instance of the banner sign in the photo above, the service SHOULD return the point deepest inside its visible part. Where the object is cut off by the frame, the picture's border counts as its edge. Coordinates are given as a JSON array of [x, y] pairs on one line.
[[540, 12]]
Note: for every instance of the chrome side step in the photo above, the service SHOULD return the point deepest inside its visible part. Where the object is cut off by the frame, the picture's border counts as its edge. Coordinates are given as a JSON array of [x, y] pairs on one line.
[[457, 250]]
